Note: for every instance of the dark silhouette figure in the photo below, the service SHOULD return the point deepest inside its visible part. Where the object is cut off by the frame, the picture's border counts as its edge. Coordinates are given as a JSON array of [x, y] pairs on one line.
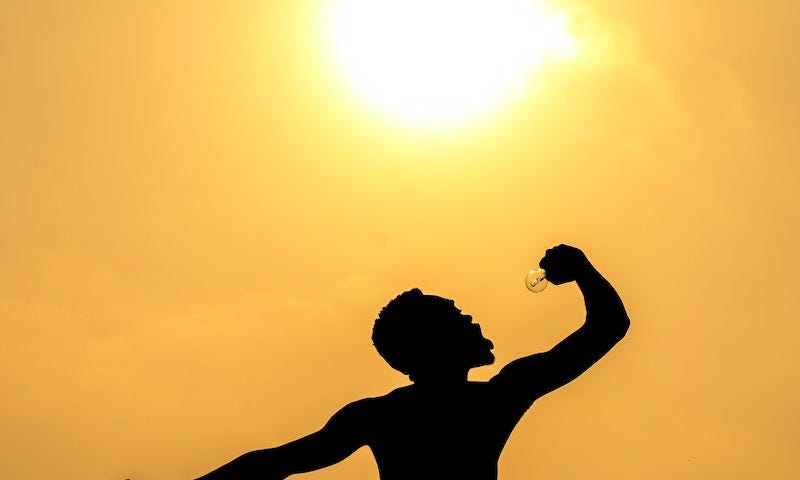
[[444, 426]]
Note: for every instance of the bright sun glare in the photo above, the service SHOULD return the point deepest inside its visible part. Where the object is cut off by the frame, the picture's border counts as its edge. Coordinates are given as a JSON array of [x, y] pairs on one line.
[[437, 62]]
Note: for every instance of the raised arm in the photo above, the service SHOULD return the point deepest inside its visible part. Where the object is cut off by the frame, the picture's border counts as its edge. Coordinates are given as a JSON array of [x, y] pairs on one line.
[[606, 323], [344, 433]]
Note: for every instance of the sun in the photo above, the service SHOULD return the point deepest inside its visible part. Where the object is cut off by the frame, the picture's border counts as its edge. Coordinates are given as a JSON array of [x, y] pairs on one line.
[[439, 62]]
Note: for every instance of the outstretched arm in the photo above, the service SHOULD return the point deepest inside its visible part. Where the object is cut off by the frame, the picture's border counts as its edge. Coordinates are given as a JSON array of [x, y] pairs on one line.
[[606, 323], [344, 433]]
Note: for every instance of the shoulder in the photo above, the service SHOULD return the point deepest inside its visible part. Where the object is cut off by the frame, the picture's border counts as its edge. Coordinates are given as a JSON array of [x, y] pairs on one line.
[[371, 406], [397, 393], [523, 380], [359, 407], [354, 418], [362, 415], [520, 370]]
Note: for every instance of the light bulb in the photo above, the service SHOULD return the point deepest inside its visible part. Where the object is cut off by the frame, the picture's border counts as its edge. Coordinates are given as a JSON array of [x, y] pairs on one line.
[[536, 281]]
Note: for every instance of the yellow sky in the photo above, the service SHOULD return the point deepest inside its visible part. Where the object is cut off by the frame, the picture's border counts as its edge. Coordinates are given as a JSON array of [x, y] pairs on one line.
[[199, 222]]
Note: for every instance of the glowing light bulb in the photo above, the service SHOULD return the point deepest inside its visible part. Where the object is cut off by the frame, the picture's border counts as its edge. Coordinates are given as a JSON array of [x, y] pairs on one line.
[[536, 281]]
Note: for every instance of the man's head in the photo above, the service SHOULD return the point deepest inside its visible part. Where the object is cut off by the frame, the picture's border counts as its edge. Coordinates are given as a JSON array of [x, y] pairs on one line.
[[420, 334]]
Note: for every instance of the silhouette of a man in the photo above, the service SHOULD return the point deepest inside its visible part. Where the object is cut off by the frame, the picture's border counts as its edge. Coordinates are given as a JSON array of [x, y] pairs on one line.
[[444, 426]]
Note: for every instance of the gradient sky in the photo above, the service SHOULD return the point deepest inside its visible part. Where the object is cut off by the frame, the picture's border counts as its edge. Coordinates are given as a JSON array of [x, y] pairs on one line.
[[199, 222]]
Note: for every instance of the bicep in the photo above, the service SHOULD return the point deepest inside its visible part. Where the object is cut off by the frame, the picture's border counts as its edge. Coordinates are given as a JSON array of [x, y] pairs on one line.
[[541, 373], [348, 429], [344, 433]]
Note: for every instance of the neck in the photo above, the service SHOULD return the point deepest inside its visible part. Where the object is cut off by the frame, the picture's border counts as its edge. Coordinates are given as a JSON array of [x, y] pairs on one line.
[[441, 379]]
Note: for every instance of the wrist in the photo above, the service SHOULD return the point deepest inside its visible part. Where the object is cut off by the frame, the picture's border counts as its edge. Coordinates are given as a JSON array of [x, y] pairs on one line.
[[588, 275]]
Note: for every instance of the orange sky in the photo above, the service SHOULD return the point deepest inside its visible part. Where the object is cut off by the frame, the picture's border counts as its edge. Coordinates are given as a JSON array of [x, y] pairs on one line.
[[200, 222]]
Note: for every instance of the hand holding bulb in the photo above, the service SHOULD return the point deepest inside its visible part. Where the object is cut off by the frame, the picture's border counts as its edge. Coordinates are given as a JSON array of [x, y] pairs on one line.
[[559, 265]]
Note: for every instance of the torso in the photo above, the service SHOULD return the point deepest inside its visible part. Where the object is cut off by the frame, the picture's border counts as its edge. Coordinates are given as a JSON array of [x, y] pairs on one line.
[[457, 433]]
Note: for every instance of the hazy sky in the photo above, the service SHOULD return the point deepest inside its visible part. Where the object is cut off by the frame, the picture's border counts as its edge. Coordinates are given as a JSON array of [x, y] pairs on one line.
[[199, 222]]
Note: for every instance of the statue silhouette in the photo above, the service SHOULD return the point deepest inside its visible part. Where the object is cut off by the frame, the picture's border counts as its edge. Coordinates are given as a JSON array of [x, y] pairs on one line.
[[443, 426]]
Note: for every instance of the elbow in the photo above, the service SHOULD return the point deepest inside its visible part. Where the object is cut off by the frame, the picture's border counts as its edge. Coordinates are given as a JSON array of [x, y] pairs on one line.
[[622, 329], [616, 328]]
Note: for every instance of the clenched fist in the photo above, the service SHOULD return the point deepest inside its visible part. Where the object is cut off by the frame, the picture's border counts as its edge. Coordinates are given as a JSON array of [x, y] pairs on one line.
[[564, 264]]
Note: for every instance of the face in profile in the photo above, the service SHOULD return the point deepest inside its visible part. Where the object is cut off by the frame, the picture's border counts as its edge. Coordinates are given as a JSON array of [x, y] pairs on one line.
[[460, 337]]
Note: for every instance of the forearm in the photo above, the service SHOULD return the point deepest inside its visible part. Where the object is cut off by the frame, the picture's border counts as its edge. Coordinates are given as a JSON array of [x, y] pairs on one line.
[[320, 449], [258, 464], [604, 309]]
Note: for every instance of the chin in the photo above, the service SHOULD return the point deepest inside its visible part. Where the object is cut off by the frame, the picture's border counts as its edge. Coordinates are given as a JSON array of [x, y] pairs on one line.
[[486, 359]]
